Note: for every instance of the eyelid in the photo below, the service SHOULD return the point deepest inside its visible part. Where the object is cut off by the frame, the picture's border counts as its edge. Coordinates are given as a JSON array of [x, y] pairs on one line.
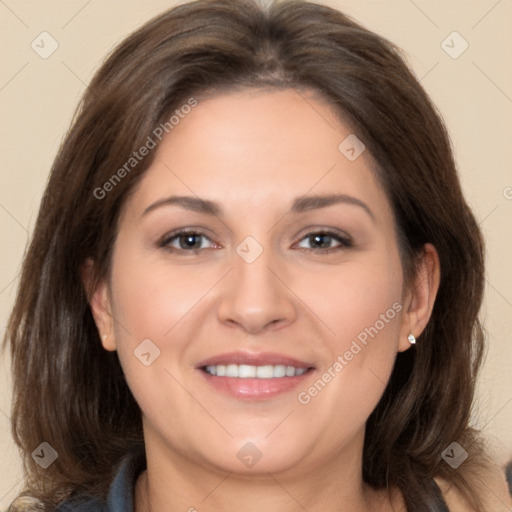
[[344, 240], [168, 237]]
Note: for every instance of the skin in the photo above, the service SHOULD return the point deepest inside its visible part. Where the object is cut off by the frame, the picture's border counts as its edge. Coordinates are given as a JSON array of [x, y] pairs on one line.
[[254, 152]]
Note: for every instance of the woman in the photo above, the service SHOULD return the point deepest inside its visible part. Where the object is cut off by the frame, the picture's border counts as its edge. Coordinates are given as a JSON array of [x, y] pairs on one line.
[[254, 281]]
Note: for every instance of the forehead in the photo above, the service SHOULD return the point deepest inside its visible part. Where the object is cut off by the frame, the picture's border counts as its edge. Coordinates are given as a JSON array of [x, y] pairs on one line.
[[260, 148]]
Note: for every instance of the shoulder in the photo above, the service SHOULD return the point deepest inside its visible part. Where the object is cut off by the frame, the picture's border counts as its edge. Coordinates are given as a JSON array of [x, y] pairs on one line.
[[120, 496], [83, 503], [491, 487]]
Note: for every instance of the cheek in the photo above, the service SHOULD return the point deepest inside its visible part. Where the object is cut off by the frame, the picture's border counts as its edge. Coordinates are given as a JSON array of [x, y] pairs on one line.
[[359, 300], [151, 302], [150, 298], [361, 307], [152, 305]]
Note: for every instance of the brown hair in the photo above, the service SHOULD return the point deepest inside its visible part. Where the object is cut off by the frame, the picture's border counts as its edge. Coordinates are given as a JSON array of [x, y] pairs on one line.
[[71, 393]]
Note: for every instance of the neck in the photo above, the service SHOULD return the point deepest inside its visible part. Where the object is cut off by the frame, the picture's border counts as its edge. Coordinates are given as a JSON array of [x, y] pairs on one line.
[[174, 483]]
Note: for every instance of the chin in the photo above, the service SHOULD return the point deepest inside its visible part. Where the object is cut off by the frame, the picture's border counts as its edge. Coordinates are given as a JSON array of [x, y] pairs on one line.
[[257, 456]]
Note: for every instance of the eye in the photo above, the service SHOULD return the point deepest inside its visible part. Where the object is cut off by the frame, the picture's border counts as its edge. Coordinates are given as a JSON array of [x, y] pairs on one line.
[[189, 241], [193, 241], [324, 241]]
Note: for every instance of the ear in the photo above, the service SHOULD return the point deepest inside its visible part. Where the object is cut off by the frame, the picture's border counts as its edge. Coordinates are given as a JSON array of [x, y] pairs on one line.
[[98, 297], [419, 299]]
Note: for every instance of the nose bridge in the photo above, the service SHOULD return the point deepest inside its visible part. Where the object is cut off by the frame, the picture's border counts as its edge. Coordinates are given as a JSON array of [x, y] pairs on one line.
[[254, 298]]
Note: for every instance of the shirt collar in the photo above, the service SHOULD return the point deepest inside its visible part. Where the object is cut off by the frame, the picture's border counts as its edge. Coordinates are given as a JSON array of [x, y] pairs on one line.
[[122, 490]]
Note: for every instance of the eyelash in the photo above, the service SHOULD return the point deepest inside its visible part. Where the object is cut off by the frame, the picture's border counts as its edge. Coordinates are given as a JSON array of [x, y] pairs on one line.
[[344, 241]]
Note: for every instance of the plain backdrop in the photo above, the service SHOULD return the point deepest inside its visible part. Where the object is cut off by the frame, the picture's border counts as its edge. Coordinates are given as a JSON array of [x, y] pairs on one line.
[[472, 90]]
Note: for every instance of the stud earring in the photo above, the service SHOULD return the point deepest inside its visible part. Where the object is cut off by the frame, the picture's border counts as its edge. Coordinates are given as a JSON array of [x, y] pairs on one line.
[[104, 337], [411, 338]]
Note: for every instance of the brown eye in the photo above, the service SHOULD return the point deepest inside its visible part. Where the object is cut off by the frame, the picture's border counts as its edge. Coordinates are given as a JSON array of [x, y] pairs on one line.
[[188, 241], [325, 240]]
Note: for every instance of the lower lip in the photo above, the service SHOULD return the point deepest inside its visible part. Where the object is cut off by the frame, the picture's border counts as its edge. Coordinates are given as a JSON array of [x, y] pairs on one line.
[[255, 389]]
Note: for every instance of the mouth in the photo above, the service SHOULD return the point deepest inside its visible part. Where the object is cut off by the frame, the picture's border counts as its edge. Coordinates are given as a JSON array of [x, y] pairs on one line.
[[254, 376], [246, 371]]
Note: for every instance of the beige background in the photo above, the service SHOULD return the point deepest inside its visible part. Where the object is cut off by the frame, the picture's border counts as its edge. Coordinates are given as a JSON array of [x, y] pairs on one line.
[[473, 92]]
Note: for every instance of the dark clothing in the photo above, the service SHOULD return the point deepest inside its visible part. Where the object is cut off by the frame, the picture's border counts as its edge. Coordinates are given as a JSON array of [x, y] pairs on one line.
[[121, 494]]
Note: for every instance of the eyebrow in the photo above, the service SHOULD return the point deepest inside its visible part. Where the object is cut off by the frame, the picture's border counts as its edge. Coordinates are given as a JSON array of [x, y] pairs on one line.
[[300, 204], [306, 203]]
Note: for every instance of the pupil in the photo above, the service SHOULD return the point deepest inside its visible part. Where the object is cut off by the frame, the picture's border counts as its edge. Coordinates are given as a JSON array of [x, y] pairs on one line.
[[321, 240], [189, 240]]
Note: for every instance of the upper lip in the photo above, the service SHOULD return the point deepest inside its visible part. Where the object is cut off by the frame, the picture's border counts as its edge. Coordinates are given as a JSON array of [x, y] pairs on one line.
[[253, 359]]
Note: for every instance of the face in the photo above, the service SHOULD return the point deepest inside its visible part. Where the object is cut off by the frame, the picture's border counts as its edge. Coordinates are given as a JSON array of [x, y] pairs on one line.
[[259, 262]]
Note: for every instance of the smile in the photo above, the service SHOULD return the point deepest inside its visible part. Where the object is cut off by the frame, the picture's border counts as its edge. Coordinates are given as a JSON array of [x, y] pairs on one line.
[[246, 371], [254, 376]]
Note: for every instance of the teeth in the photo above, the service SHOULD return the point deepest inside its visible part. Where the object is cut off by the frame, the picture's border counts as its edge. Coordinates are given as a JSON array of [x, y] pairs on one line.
[[280, 370], [245, 371], [232, 370]]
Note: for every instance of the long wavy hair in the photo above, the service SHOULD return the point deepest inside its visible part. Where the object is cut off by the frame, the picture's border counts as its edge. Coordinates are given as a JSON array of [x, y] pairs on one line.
[[71, 393]]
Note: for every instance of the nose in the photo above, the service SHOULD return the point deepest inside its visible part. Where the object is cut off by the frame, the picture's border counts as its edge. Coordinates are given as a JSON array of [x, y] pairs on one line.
[[255, 297]]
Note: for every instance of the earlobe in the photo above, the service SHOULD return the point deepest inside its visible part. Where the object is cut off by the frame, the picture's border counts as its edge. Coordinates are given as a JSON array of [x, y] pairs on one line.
[[421, 297], [108, 342], [97, 293]]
